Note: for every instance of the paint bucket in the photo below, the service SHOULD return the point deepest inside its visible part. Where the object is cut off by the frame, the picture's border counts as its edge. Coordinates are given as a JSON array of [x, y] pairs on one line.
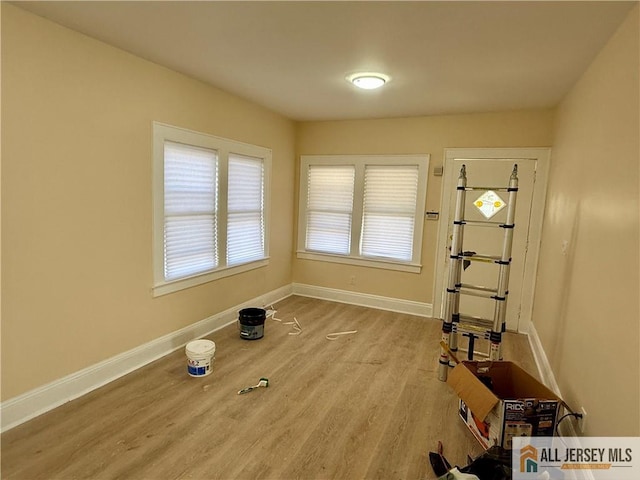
[[251, 322], [200, 355]]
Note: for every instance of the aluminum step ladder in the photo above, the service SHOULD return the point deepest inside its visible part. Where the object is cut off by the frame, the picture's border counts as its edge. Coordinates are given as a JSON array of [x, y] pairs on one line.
[[454, 323]]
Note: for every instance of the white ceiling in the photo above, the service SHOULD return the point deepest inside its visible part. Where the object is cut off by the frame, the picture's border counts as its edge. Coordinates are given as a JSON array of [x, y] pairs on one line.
[[292, 57]]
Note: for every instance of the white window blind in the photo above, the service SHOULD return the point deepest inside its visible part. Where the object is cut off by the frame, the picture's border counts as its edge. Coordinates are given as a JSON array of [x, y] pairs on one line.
[[210, 208], [245, 215], [364, 210], [329, 208], [389, 210], [190, 210]]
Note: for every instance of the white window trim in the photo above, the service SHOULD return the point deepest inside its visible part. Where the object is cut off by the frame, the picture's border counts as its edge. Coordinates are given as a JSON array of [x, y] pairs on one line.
[[360, 161], [223, 146]]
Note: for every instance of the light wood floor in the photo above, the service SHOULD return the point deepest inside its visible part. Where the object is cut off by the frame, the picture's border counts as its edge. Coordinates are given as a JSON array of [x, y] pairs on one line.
[[367, 405]]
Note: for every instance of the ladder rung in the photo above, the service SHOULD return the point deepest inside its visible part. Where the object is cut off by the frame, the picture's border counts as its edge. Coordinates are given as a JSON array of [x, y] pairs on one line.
[[495, 189], [482, 258], [481, 223], [476, 293], [472, 329], [480, 255], [479, 321], [479, 287]]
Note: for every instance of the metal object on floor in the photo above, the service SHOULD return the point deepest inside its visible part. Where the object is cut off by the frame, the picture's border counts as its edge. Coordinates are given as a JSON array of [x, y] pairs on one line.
[[264, 382]]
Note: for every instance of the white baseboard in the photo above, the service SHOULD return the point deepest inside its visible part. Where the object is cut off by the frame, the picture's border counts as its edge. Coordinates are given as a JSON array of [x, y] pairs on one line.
[[546, 374], [24, 407], [539, 355], [364, 300]]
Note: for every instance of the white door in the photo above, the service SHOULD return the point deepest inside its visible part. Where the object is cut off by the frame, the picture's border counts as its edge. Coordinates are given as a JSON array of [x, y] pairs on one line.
[[486, 169]]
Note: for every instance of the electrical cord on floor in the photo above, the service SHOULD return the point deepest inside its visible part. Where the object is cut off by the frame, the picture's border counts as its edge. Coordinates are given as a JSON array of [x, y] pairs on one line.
[[570, 414]]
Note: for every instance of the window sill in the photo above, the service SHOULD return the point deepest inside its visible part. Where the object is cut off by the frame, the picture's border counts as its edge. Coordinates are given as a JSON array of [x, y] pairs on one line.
[[164, 288], [361, 261]]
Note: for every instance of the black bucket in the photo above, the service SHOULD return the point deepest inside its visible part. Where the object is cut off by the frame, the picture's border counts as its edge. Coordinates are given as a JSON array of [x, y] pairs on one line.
[[251, 322]]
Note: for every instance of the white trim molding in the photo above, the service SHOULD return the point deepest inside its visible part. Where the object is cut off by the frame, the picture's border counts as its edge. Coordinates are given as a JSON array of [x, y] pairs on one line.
[[546, 373], [29, 405], [542, 362], [364, 299], [22, 408]]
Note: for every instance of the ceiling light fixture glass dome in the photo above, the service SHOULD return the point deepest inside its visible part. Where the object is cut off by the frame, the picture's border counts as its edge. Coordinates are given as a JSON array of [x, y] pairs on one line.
[[368, 80]]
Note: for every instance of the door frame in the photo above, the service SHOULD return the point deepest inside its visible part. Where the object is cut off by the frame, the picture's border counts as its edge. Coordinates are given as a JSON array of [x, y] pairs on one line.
[[542, 156]]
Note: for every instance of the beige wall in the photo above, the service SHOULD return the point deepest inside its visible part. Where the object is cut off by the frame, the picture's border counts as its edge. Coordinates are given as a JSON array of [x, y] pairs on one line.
[[76, 209], [76, 199], [586, 307], [403, 136]]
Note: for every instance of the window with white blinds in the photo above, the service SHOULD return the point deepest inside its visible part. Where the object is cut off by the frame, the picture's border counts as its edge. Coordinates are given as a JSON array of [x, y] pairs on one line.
[[363, 209], [329, 208], [245, 204], [210, 207], [190, 209], [389, 210]]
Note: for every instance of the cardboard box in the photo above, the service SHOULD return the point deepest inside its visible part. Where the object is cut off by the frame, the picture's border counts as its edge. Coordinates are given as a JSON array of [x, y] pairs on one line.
[[499, 400]]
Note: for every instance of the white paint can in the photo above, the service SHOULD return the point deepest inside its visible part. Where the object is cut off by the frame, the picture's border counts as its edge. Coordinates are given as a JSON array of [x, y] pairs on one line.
[[200, 355]]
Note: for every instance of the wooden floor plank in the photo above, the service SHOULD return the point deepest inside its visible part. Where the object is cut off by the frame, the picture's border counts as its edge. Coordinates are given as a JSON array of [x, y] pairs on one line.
[[367, 405]]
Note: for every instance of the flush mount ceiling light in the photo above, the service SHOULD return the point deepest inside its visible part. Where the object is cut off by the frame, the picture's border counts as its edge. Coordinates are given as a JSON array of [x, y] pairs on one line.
[[368, 80]]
